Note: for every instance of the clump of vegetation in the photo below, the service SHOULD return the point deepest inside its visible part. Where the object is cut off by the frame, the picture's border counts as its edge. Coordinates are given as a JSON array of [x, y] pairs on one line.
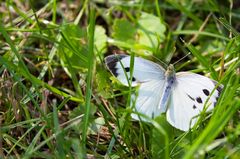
[[58, 100]]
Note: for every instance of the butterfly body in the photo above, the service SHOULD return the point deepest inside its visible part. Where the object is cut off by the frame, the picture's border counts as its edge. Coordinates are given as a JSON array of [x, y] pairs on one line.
[[170, 78], [182, 96]]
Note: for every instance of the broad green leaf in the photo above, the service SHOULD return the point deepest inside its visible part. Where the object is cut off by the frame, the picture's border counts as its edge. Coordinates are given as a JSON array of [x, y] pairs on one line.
[[145, 35], [123, 30], [150, 30], [102, 84], [73, 48], [100, 40], [96, 126]]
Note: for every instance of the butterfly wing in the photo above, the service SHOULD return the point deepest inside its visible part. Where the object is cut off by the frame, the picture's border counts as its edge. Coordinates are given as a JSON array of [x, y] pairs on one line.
[[143, 70], [148, 75], [148, 98], [189, 96]]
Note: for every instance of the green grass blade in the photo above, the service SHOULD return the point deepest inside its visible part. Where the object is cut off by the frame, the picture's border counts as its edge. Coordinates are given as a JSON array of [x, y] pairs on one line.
[[89, 77], [196, 32], [38, 81], [202, 60], [218, 120], [60, 138], [30, 149]]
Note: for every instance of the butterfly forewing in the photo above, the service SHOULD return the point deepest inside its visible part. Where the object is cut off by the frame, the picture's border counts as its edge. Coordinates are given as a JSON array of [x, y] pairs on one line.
[[143, 70]]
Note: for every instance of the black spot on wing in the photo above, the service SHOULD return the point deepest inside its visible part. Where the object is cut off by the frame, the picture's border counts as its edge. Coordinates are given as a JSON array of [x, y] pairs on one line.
[[199, 99], [127, 69], [111, 62], [133, 79], [206, 92], [194, 107]]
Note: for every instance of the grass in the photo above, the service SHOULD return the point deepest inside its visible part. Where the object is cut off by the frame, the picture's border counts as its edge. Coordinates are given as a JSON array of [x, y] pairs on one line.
[[58, 100]]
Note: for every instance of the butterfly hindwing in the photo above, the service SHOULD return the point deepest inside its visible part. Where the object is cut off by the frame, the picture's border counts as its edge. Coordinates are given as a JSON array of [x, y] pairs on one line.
[[147, 100], [190, 95]]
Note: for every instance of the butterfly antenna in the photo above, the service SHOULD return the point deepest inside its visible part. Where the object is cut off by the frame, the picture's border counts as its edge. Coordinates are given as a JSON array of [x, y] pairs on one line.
[[157, 59], [182, 58], [163, 63]]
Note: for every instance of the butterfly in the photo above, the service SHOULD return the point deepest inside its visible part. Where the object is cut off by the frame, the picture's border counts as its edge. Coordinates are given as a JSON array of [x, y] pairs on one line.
[[182, 96]]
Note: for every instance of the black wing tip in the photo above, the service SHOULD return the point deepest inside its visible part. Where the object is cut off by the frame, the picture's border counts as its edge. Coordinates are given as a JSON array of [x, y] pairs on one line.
[[111, 62], [219, 88], [219, 91], [114, 58]]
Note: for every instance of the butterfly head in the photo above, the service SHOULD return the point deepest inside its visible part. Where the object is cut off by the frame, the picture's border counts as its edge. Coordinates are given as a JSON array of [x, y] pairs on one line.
[[170, 71]]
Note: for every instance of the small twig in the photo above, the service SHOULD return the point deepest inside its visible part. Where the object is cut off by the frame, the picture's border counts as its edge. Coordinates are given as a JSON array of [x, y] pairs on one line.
[[1, 148], [200, 29], [225, 65], [108, 109]]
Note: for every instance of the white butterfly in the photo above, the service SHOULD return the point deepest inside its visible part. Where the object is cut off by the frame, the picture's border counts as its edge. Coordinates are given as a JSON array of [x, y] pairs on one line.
[[182, 95]]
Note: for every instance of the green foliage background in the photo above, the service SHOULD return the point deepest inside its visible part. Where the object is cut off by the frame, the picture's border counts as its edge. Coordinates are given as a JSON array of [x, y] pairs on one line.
[[57, 99]]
